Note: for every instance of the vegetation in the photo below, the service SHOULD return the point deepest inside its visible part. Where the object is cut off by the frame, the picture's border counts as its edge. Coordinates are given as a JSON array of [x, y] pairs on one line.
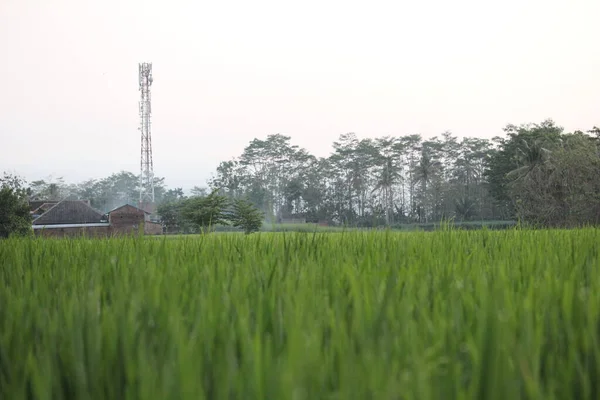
[[537, 173], [246, 216], [206, 212], [14, 211], [210, 212], [442, 315], [547, 177]]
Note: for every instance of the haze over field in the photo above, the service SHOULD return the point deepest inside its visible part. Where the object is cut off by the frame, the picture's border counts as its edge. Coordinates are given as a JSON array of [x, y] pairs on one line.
[[229, 71]]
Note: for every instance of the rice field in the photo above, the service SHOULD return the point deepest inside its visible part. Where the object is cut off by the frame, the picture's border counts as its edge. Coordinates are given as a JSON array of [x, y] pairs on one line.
[[509, 314]]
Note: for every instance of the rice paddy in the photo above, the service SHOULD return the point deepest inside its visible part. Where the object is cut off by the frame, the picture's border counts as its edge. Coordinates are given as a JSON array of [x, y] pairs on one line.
[[511, 314]]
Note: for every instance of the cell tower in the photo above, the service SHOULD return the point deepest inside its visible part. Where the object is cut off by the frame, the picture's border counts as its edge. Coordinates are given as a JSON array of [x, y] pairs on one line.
[[146, 166]]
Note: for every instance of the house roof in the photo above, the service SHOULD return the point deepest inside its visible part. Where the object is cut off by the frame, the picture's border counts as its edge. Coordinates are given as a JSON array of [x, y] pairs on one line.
[[35, 204], [69, 212], [43, 208], [127, 205]]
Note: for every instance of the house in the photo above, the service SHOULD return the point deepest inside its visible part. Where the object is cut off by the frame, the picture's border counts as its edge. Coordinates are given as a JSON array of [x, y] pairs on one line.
[[69, 218], [128, 218], [77, 217]]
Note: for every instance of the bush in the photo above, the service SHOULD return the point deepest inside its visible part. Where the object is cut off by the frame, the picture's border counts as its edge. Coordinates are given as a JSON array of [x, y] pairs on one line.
[[246, 216], [14, 213]]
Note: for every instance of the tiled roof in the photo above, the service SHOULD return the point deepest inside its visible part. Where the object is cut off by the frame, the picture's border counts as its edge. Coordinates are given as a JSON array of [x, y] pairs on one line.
[[43, 208], [35, 204], [69, 212], [127, 205]]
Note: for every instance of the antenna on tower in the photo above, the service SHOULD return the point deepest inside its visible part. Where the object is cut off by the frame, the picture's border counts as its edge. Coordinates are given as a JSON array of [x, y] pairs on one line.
[[146, 166]]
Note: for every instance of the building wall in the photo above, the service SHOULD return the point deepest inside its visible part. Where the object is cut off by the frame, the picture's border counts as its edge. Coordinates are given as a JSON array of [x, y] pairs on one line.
[[293, 220], [152, 228], [96, 231], [125, 230], [126, 220]]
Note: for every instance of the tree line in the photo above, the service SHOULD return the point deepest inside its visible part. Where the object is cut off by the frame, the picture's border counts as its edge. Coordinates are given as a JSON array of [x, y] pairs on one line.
[[535, 173]]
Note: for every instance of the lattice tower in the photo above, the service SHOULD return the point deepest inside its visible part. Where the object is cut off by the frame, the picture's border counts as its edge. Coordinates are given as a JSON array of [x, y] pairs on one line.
[[146, 165]]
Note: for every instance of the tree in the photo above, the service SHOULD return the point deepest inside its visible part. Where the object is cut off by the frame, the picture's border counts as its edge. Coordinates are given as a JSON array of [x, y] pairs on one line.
[[246, 216], [412, 146], [363, 182], [14, 210], [574, 183], [198, 191], [558, 186], [170, 215], [352, 162], [264, 170], [470, 194], [173, 195], [205, 212], [388, 158], [110, 192], [508, 157], [229, 178], [427, 170], [15, 183]]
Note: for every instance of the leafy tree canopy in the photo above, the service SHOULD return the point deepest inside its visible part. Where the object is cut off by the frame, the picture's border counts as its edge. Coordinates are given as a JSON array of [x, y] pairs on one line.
[[246, 216], [206, 212], [14, 210]]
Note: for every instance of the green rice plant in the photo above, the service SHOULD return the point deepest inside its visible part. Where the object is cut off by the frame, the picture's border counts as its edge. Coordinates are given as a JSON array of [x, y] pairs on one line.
[[453, 314]]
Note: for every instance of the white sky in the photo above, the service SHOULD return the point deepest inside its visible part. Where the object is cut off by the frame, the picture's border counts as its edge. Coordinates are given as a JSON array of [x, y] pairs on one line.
[[228, 71]]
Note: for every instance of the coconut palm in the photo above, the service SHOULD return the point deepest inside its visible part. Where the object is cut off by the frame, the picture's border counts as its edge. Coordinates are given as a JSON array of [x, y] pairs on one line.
[[531, 158], [425, 171], [388, 177]]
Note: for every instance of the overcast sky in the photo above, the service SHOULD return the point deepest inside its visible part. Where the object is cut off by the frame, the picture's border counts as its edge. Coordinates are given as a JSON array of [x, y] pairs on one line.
[[226, 72]]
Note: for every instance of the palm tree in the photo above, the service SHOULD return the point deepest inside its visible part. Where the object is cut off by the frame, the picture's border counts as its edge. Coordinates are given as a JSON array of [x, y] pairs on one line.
[[425, 171], [389, 176], [465, 208], [529, 181], [532, 157]]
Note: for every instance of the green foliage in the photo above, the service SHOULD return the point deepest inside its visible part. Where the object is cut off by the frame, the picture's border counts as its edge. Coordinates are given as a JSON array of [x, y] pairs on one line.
[[53, 189], [16, 183], [246, 216], [559, 186], [170, 215], [363, 182], [14, 210], [206, 212], [545, 177], [443, 315], [521, 144], [172, 195]]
